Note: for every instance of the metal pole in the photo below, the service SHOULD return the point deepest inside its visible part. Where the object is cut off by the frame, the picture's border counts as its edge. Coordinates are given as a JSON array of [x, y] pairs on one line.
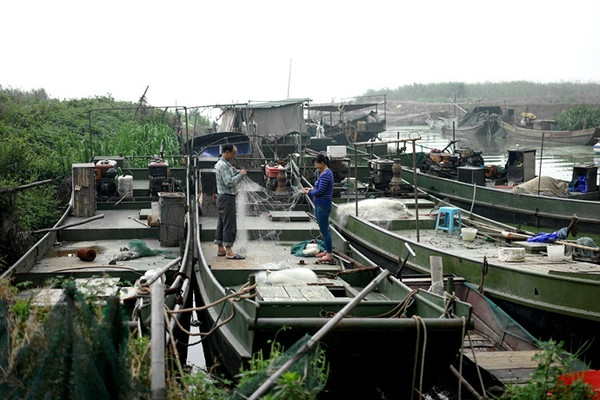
[[356, 178], [90, 129], [414, 146], [319, 334], [541, 158], [157, 343]]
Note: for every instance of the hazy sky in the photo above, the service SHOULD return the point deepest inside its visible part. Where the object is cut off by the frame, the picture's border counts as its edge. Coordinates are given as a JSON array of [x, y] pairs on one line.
[[207, 52]]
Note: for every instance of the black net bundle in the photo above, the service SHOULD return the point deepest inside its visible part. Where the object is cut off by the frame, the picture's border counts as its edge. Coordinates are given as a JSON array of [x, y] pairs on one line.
[[75, 354], [311, 368]]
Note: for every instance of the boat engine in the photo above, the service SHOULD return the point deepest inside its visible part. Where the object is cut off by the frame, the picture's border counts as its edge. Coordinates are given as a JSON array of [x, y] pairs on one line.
[[446, 165], [339, 166], [160, 179], [105, 175], [275, 177], [381, 173]]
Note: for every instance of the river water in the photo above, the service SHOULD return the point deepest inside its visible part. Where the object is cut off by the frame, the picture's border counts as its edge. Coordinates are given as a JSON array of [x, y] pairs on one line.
[[554, 160]]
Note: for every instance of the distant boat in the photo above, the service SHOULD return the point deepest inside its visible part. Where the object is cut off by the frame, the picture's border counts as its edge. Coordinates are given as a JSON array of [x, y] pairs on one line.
[[545, 129]]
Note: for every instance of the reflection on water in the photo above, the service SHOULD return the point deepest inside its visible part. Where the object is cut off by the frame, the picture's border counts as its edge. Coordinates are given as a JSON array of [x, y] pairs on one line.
[[555, 160]]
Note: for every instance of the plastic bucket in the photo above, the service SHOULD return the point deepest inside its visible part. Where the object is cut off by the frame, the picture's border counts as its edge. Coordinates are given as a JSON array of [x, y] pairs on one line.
[[556, 252], [468, 234]]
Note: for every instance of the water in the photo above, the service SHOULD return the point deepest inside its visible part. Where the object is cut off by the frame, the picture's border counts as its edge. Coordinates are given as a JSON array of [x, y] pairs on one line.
[[555, 160]]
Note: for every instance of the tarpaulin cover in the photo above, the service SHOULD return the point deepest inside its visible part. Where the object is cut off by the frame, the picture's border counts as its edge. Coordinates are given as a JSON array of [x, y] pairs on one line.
[[549, 237], [546, 184]]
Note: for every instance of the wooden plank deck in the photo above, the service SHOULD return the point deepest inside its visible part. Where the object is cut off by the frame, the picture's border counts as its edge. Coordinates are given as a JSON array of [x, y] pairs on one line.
[[510, 367]]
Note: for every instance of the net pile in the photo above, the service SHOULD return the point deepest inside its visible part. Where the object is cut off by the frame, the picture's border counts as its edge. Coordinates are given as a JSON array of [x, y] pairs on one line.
[[73, 355], [311, 367], [380, 211]]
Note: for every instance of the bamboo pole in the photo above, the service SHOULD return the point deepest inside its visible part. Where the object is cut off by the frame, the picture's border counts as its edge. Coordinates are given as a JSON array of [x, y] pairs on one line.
[[526, 236], [58, 228], [24, 187], [319, 334]]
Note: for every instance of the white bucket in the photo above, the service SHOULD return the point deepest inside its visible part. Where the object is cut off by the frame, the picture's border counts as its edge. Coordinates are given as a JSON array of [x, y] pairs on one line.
[[556, 252], [468, 234]]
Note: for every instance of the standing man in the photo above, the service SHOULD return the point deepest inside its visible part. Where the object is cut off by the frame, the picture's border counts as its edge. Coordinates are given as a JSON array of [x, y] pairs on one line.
[[322, 195], [228, 179]]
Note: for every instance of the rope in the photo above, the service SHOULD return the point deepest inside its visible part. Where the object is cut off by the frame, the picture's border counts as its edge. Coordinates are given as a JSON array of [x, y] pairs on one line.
[[449, 300], [462, 345], [473, 200], [246, 288], [232, 298], [418, 337], [476, 364], [420, 319], [174, 346]]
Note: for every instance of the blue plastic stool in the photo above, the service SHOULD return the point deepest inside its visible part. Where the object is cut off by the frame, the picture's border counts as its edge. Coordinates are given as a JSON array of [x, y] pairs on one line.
[[446, 216]]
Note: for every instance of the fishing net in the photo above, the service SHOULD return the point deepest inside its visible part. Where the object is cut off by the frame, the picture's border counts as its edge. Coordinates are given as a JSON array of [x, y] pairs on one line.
[[311, 368], [141, 248], [298, 249], [380, 211], [138, 248], [74, 354], [255, 200]]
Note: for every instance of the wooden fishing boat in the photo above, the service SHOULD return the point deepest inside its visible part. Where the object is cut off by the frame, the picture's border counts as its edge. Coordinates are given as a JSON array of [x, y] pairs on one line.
[[495, 342], [551, 298], [107, 246], [484, 125], [267, 305], [577, 137]]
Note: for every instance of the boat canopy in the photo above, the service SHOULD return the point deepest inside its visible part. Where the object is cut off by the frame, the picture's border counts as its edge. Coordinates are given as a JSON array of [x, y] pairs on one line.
[[267, 119]]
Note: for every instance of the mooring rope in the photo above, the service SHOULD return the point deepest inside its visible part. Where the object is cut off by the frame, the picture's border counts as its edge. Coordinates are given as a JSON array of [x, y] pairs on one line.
[[232, 298], [476, 364], [462, 345], [174, 346], [415, 358], [420, 322]]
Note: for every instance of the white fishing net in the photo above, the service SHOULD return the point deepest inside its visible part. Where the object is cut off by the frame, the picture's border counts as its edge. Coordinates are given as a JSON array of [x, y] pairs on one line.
[[380, 211]]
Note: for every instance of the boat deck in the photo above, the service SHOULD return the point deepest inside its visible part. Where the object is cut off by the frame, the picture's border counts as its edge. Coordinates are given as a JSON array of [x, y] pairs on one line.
[[481, 247], [107, 236]]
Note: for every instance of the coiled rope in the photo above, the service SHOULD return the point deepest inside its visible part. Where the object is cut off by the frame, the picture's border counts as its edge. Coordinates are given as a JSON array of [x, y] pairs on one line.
[[245, 292]]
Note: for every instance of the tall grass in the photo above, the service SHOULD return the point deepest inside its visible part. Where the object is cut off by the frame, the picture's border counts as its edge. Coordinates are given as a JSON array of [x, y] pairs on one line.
[[137, 142]]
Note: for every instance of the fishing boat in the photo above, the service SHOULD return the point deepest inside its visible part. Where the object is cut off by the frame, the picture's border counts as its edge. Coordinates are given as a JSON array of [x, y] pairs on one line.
[[275, 129], [512, 192], [274, 294], [547, 131], [495, 342], [549, 296], [111, 244], [345, 122]]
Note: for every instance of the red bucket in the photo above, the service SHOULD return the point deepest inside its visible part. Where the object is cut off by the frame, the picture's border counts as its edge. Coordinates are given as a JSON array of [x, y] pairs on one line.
[[591, 377]]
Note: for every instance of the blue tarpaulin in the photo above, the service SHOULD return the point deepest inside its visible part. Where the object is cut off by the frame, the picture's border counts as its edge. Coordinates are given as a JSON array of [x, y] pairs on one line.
[[549, 237]]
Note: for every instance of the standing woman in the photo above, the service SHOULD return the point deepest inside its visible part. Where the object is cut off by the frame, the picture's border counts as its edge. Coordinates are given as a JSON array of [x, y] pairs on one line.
[[322, 196]]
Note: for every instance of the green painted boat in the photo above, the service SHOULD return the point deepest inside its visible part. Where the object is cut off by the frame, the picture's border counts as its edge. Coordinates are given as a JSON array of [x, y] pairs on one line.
[[276, 295], [104, 243], [505, 203], [551, 298]]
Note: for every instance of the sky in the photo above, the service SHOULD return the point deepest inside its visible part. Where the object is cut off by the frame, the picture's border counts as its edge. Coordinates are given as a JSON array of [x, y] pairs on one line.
[[204, 52]]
